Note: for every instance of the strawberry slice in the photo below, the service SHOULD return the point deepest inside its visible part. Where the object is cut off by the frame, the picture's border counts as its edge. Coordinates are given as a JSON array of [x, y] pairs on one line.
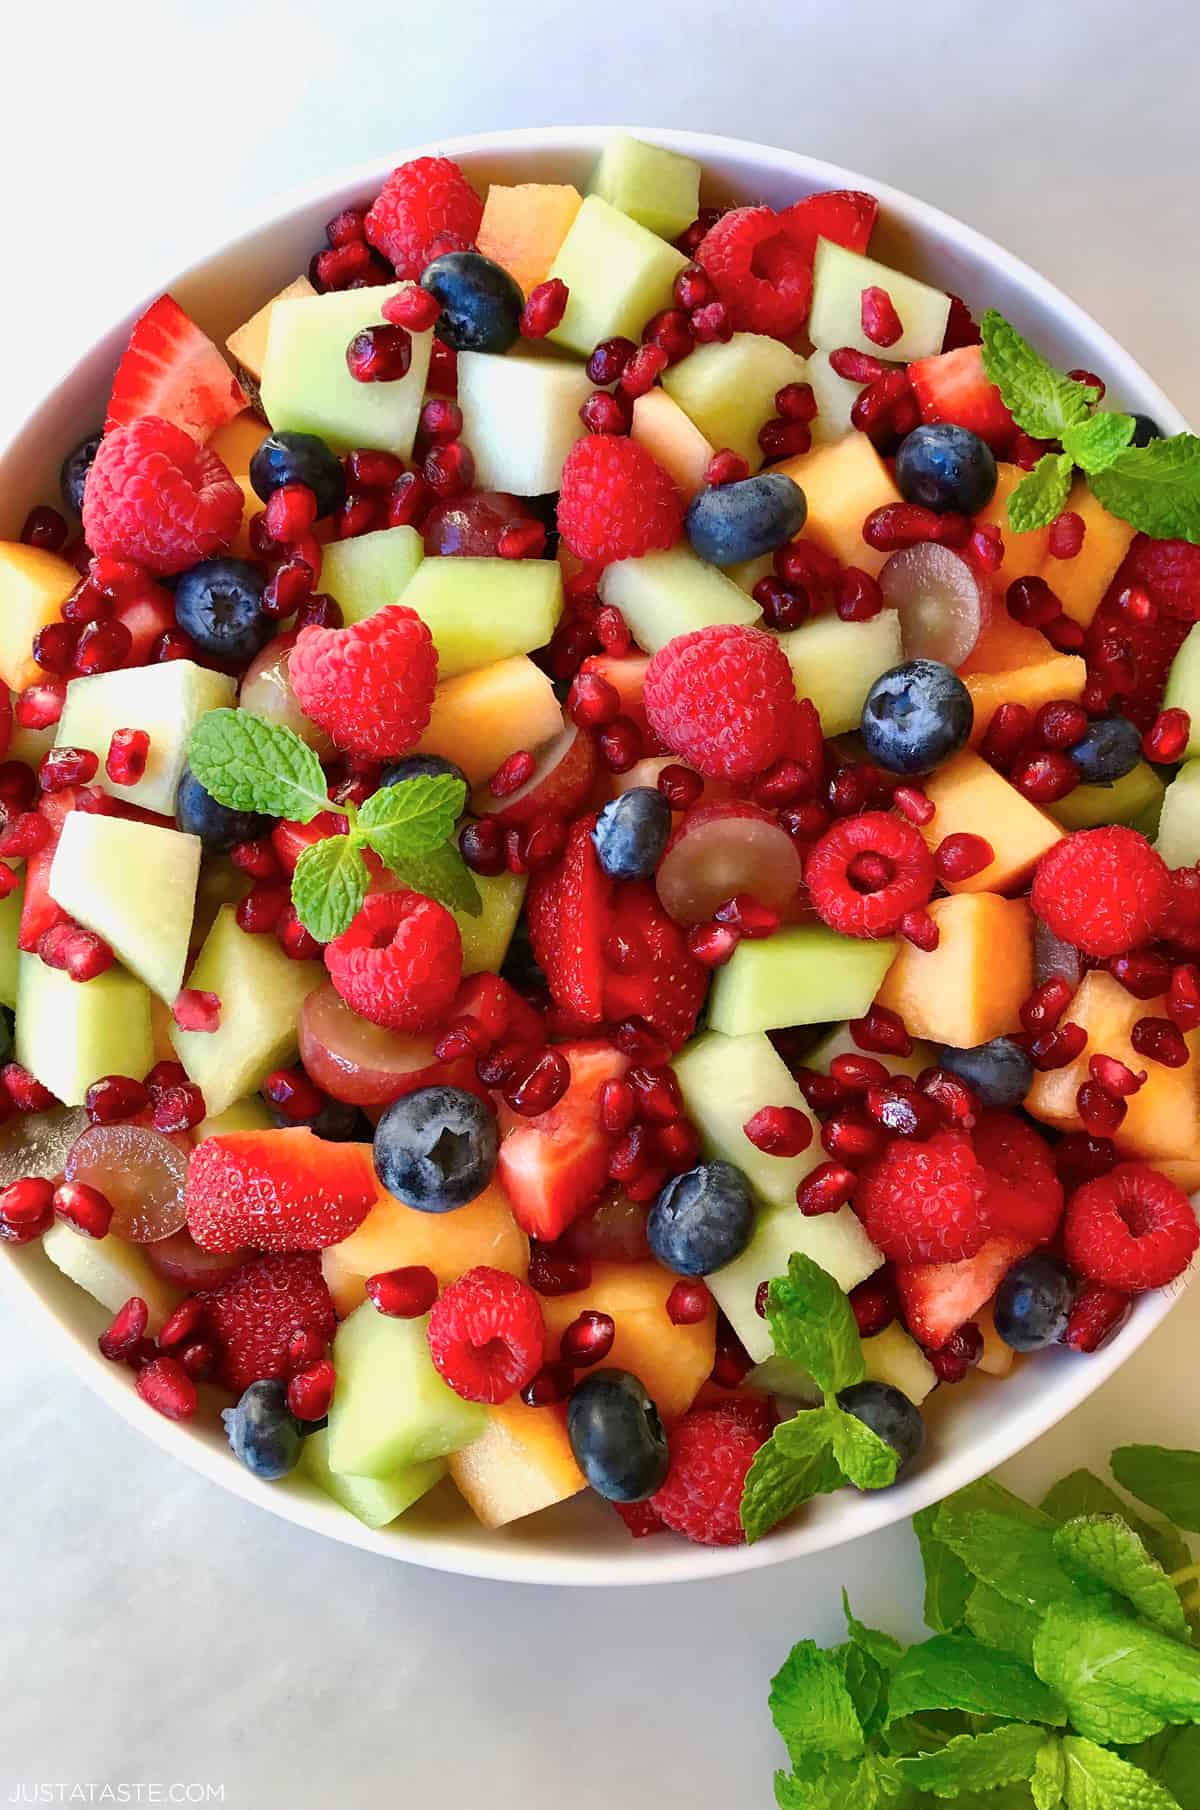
[[1025, 1196], [953, 386], [937, 1298], [1169, 570], [171, 369], [568, 908], [283, 1190], [664, 983], [552, 1167], [847, 216]]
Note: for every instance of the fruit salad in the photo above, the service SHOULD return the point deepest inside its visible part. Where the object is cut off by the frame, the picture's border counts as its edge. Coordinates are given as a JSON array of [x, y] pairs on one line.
[[599, 856]]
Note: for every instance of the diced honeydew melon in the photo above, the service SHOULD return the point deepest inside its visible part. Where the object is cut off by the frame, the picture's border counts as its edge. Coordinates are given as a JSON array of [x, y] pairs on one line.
[[390, 1407], [1183, 686], [371, 571], [834, 396], [659, 189], [111, 1270], [250, 1114], [617, 274], [69, 1033], [747, 572], [662, 595], [836, 663], [728, 389], [485, 939], [835, 319], [891, 1356], [375, 1501], [248, 345], [30, 745], [261, 993], [34, 584], [836, 1241], [479, 718], [724, 1081], [520, 418], [134, 884], [1179, 825], [677, 444], [840, 1042], [10, 929], [306, 386], [804, 974], [480, 611], [1133, 799], [166, 700]]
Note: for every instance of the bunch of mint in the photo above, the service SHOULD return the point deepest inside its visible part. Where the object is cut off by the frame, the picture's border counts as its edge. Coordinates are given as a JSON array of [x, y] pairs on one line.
[[1062, 1674], [247, 763]]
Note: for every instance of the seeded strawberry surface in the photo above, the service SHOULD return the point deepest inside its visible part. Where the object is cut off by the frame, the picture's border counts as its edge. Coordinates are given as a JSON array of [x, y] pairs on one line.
[[251, 1318], [277, 1191]]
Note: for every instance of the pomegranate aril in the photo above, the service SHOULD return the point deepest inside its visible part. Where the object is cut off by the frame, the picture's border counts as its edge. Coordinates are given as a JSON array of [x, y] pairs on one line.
[[850, 1139], [511, 774], [859, 597], [1115, 1077], [102, 647], [964, 1348], [1060, 724], [1079, 1158], [84, 1209], [986, 547], [449, 470], [919, 929], [688, 1303], [670, 332], [856, 366], [182, 1326], [128, 752], [168, 1388], [857, 1073], [1045, 1006], [482, 846], [521, 540], [613, 633], [408, 501], [45, 528], [629, 1154], [1065, 635], [1097, 1313], [259, 912], [904, 1115], [748, 916], [197, 1010], [544, 308], [825, 1189], [677, 1145], [957, 1103], [125, 1330], [54, 647], [25, 1093], [1183, 996], [1031, 602], [199, 1360], [403, 1294], [587, 1340], [554, 1272], [539, 1085], [779, 1130], [1007, 733], [179, 1108], [63, 767], [1100, 1112], [784, 606], [297, 943], [114, 1097], [609, 359], [658, 1096], [618, 1107], [379, 354], [1166, 740], [693, 288], [712, 944], [873, 1304], [164, 1075], [1058, 1048], [874, 404], [413, 307], [553, 1383], [305, 1347], [310, 1391], [18, 786], [24, 834], [620, 744], [733, 1363], [784, 783], [40, 706], [605, 414], [293, 1094], [1158, 1040], [960, 856], [726, 467], [1066, 535], [882, 1031], [1045, 778], [643, 370], [878, 318], [784, 440], [27, 1202], [711, 324]]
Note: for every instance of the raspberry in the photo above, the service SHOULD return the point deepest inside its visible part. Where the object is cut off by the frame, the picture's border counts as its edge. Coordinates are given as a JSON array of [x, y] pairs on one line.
[[253, 1315], [1131, 1229], [1103, 890], [724, 698], [641, 1518], [615, 501], [1169, 571], [711, 1451], [371, 685], [399, 962], [926, 1203], [1025, 1196], [425, 208], [761, 275], [487, 1337], [155, 497], [866, 873], [277, 1191]]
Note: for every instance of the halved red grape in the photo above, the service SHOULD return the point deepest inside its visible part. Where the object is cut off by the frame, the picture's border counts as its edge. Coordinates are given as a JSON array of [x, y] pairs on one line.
[[561, 781], [141, 1173], [267, 691], [180, 1260], [37, 1143], [472, 524], [722, 849], [941, 602], [614, 1231], [359, 1062]]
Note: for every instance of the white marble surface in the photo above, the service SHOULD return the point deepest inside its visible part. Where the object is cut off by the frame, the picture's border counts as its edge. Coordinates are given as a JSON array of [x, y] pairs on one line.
[[152, 1628]]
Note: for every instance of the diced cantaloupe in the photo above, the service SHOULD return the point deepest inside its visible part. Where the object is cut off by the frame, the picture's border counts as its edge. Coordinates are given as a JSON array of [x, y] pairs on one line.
[[523, 226], [969, 989], [1163, 1118], [394, 1236], [998, 1358], [521, 1463], [34, 585], [249, 344], [672, 438], [480, 718], [671, 1361], [1184, 1171], [968, 795], [1023, 553], [1080, 583], [236, 442], [842, 484], [1014, 665]]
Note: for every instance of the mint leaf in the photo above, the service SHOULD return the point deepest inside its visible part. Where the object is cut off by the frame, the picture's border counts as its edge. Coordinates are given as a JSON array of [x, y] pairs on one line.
[[866, 1783], [795, 1464], [868, 1461], [1173, 1758], [250, 764], [1016, 1557], [1048, 1779], [951, 1671], [948, 1583], [1096, 442], [811, 1707], [1104, 1547], [1083, 1493], [1155, 488], [1096, 1779], [1042, 495], [412, 817], [329, 885], [442, 874], [1120, 1680], [1168, 1480], [995, 1621], [1039, 398], [1002, 1756], [884, 1649], [812, 1323], [866, 1685]]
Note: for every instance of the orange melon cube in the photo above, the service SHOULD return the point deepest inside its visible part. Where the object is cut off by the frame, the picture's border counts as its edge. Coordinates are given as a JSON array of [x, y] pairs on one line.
[[34, 585], [1014, 665], [967, 990], [1183, 1171], [237, 442], [249, 344], [998, 1358], [523, 227], [671, 1361], [1080, 583], [969, 795], [673, 439], [479, 718], [522, 1463], [1023, 553], [842, 483], [1163, 1118], [393, 1236]]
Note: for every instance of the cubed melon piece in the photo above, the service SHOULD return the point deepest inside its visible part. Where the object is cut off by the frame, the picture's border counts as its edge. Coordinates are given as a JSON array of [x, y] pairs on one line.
[[834, 396], [659, 189], [671, 1368], [835, 319], [523, 226], [840, 1042], [969, 989], [617, 273], [236, 442], [1024, 554], [306, 386], [998, 1357], [729, 389], [662, 595], [521, 1463], [375, 1501], [747, 572], [30, 745], [390, 1407], [671, 438], [1136, 799], [248, 345], [1080, 583], [520, 418], [806, 974], [485, 938], [842, 484], [1183, 1171], [10, 930], [261, 993], [250, 1114], [1014, 665], [394, 1236], [480, 718], [968, 795], [111, 1270], [166, 700], [1163, 1118], [836, 1241], [134, 884], [34, 585], [724, 1081], [1179, 825], [890, 1356], [1183, 686], [835, 663], [371, 571], [69, 1033], [480, 611]]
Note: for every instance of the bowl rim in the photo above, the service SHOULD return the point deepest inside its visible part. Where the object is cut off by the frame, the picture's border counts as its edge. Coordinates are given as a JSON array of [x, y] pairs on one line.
[[682, 1563]]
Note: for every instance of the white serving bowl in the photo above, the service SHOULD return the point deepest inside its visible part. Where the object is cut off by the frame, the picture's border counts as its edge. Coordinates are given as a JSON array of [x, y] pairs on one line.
[[971, 1429]]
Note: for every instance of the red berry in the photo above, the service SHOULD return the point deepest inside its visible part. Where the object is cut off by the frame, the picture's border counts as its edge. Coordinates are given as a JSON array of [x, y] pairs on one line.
[[615, 501], [724, 698], [253, 1315], [1132, 1229], [426, 207], [712, 1450], [1166, 740], [281, 1190], [371, 685], [874, 1304], [1058, 1048], [878, 318], [779, 1130], [413, 308], [153, 495], [1097, 1315], [195, 1010], [544, 308], [867, 873], [926, 1202], [168, 1388], [688, 1303], [761, 275], [179, 1108], [128, 751], [587, 1340], [825, 1189], [125, 1331], [881, 1030], [84, 1208], [1103, 890], [487, 1337], [399, 962], [959, 857], [1160, 1041]]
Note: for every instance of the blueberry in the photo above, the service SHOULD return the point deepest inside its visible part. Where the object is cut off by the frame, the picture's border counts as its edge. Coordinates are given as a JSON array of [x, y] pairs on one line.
[[617, 1437], [916, 716], [6, 1034], [198, 813], [1033, 1303], [1109, 748], [298, 459], [219, 604], [701, 1220], [261, 1431], [520, 966], [481, 304], [631, 833], [1145, 429], [72, 475], [889, 1414], [435, 1149], [732, 522], [1000, 1072], [944, 467], [337, 1122], [420, 766]]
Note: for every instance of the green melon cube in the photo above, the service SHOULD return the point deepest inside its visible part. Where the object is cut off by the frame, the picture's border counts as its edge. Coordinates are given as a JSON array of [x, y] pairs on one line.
[[10, 929], [891, 1356], [805, 974], [729, 390], [104, 873], [485, 939], [1183, 686], [836, 1241], [250, 1114], [840, 1042], [836, 663], [834, 396], [70, 1033], [167, 700], [483, 610], [306, 386], [371, 571], [659, 189], [724, 1081], [373, 1500], [1179, 825], [666, 594], [520, 418], [618, 275], [390, 1407], [110, 1270], [835, 319], [1134, 798]]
